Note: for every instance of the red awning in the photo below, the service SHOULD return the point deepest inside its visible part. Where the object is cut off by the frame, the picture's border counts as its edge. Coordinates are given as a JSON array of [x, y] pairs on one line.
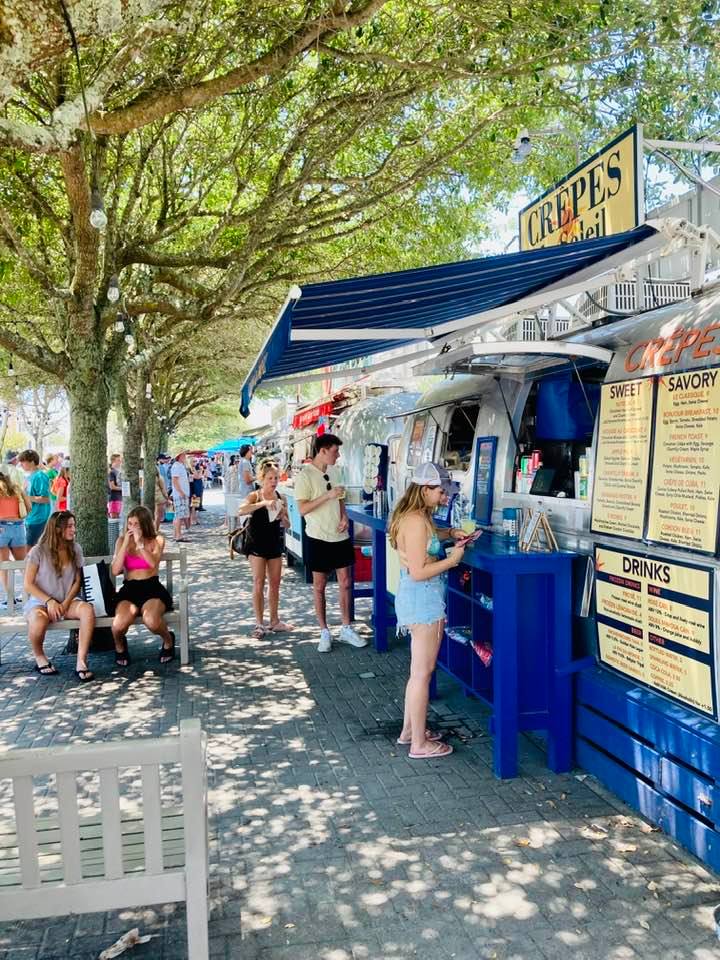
[[305, 418]]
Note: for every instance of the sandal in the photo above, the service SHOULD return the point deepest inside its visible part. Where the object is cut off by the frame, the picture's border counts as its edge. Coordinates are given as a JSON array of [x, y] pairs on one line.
[[85, 675], [122, 657], [439, 750], [280, 627], [47, 669], [166, 654], [432, 735], [259, 631]]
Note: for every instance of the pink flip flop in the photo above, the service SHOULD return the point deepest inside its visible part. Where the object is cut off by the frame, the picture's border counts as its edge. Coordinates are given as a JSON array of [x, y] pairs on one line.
[[432, 735], [438, 751]]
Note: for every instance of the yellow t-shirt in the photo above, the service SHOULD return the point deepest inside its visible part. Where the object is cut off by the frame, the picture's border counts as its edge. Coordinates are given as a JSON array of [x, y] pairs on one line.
[[322, 522]]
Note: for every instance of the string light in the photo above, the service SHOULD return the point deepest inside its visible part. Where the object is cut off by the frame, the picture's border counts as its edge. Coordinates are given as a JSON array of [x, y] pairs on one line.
[[113, 291], [98, 217], [11, 368], [119, 324], [148, 391]]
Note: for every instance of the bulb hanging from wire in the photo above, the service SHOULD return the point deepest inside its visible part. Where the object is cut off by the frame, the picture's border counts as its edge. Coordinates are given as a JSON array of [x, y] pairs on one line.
[[113, 290], [11, 368], [119, 325], [148, 391], [98, 217]]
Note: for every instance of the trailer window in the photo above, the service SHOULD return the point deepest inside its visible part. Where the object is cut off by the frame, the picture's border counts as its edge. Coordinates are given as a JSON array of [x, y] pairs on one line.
[[460, 437]]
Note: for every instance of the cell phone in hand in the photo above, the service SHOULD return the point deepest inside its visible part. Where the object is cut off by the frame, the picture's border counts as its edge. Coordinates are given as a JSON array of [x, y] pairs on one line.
[[471, 538]]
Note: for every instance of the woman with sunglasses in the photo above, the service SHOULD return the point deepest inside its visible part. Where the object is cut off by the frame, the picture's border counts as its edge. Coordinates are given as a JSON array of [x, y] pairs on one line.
[[420, 598], [52, 583]]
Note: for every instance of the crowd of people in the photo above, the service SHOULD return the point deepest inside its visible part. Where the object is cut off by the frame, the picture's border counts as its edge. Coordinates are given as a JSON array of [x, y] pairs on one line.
[[34, 516]]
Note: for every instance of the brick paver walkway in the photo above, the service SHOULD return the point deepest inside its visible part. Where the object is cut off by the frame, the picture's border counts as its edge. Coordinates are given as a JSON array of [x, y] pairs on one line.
[[327, 843]]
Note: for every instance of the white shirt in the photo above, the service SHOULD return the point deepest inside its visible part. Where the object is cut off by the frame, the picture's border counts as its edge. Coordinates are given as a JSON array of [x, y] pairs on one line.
[[179, 470]]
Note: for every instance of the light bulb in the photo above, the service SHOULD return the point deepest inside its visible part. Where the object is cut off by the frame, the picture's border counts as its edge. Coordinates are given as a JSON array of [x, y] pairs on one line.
[[11, 369], [113, 291], [129, 339], [148, 391], [119, 323], [98, 219]]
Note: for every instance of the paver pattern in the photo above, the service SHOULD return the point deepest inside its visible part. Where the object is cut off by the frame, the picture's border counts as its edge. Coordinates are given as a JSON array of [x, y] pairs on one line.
[[326, 842]]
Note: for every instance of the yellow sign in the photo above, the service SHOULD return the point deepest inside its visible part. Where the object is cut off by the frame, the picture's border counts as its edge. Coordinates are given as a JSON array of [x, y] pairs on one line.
[[599, 198], [654, 621], [686, 464], [623, 453]]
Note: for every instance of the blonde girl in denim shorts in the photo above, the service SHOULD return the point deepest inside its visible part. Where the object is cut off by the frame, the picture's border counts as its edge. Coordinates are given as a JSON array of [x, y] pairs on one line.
[[420, 598]]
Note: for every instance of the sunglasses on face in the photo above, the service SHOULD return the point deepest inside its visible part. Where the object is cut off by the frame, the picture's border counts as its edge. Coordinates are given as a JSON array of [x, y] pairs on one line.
[[326, 478]]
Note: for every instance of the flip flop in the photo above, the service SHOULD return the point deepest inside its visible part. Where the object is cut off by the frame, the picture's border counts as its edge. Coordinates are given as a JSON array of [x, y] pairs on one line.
[[439, 750], [259, 632], [432, 735], [47, 669], [85, 676], [182, 540]]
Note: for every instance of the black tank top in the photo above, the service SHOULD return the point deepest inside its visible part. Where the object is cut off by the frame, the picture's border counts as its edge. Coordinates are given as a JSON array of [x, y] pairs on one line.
[[264, 534]]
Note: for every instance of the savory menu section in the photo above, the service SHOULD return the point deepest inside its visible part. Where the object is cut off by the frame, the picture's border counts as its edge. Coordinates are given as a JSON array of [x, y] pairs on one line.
[[686, 462], [655, 624], [623, 451]]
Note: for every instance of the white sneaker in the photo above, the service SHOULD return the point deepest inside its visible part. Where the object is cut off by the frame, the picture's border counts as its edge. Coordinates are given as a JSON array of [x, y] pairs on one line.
[[325, 645], [348, 635]]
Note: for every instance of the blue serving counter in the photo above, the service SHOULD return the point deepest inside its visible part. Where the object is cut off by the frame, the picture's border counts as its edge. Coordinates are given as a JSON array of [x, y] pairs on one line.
[[518, 605]]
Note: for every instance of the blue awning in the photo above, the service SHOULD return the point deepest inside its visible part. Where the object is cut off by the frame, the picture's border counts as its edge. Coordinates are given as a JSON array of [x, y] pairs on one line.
[[231, 446], [325, 324]]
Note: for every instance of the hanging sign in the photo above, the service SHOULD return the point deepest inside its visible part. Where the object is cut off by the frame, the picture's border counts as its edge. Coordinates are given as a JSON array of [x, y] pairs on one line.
[[485, 450], [601, 197], [686, 462], [655, 624], [623, 453]]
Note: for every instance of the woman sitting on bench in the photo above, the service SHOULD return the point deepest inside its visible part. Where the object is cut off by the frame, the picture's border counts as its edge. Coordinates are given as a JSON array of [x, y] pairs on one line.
[[52, 582], [138, 554]]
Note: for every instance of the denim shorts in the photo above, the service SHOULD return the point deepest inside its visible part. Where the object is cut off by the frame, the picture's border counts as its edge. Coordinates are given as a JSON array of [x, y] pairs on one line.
[[12, 533], [419, 601]]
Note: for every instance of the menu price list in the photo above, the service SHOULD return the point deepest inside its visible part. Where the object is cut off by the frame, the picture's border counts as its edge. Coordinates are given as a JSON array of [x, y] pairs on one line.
[[655, 624], [621, 472], [686, 463]]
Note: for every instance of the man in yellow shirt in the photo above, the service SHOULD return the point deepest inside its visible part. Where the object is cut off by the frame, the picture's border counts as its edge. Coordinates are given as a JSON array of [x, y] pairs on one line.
[[320, 499]]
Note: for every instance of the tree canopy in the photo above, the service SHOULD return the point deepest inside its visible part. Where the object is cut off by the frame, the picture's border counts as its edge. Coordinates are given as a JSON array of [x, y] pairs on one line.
[[239, 148]]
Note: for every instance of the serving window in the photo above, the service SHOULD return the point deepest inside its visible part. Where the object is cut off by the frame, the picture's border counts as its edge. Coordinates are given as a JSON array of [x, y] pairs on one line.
[[555, 435], [459, 440]]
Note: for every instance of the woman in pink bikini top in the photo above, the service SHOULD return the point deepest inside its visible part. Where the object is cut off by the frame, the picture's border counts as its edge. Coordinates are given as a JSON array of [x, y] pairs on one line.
[[138, 554]]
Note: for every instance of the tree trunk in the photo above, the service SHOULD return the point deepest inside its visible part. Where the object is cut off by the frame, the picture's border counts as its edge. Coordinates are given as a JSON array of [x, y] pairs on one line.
[[89, 406], [132, 445], [152, 449]]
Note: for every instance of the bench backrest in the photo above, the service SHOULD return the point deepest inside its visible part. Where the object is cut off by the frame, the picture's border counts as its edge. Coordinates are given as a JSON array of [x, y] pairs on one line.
[[67, 762], [16, 572]]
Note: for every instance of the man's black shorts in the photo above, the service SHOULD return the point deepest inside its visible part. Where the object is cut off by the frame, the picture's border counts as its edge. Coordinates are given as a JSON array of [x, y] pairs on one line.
[[324, 556]]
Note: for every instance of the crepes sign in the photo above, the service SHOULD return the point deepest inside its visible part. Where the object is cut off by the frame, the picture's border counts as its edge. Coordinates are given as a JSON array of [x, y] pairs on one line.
[[601, 197]]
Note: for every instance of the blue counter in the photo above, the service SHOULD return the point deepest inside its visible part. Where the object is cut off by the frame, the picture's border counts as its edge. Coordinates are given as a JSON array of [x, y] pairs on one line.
[[519, 604]]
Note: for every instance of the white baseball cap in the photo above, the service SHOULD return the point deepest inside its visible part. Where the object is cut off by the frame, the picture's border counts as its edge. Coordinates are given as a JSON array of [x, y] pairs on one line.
[[433, 475]]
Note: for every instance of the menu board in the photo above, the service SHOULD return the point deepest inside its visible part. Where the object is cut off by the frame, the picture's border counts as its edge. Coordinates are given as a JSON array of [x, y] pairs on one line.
[[655, 624], [623, 451], [484, 477], [686, 462]]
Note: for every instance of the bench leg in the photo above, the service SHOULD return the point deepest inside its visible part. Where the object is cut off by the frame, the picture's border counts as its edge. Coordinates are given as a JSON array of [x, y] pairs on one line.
[[184, 630], [197, 917], [194, 782]]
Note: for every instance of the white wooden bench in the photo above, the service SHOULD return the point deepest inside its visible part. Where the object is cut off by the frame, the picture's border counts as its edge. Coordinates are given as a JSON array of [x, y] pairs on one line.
[[73, 863], [176, 618]]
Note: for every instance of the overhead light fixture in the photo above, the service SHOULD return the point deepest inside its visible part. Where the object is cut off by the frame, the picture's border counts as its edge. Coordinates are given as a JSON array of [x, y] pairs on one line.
[[98, 217], [113, 291]]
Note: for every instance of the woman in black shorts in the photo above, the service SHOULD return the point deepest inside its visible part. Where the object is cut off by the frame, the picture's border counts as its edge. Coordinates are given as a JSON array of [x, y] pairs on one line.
[[137, 554], [264, 544]]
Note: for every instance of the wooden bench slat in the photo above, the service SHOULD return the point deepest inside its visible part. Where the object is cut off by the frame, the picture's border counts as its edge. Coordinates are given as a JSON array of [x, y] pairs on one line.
[[152, 821], [69, 825], [24, 801], [110, 806]]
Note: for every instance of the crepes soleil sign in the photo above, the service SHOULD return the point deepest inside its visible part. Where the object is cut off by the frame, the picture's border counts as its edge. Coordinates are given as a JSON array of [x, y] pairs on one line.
[[601, 197]]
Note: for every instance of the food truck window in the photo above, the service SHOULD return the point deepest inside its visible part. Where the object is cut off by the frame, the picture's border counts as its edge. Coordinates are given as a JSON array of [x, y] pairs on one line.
[[555, 432], [460, 437], [416, 439]]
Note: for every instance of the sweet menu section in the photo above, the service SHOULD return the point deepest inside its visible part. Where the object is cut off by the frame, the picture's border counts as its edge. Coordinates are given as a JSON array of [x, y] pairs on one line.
[[655, 624], [621, 471], [686, 463], [683, 476]]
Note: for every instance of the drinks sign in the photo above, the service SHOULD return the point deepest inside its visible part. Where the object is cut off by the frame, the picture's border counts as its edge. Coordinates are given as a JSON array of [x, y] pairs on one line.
[[601, 197]]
